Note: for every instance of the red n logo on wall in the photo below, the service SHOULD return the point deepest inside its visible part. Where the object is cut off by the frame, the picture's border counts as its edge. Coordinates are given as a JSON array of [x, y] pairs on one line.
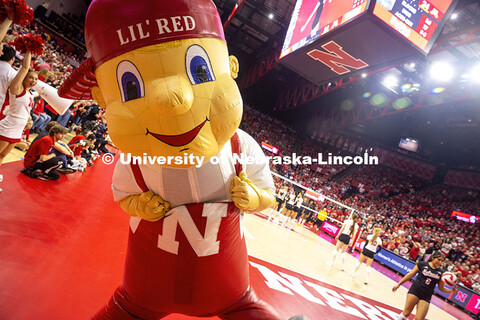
[[338, 60], [461, 296]]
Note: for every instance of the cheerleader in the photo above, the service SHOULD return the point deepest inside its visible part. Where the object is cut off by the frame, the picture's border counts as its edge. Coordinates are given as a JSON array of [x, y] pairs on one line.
[[21, 103], [421, 291], [348, 231], [368, 252], [4, 26]]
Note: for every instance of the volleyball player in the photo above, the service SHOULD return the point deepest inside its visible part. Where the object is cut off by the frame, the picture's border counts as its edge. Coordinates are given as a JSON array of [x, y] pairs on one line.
[[305, 214], [421, 291], [297, 208], [281, 196], [289, 206], [368, 252], [347, 232]]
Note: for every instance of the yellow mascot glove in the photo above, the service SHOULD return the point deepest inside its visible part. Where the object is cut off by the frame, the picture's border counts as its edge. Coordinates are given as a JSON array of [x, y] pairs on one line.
[[147, 206], [247, 196]]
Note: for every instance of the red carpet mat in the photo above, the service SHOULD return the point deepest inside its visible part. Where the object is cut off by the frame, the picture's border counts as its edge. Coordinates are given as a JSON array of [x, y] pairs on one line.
[[63, 247]]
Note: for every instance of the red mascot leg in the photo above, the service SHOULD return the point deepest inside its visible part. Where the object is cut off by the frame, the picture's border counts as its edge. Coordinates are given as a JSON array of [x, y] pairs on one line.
[[120, 308], [250, 307]]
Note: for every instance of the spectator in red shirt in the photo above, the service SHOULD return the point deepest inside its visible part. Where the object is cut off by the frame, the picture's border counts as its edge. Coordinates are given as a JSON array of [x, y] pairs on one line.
[[467, 281], [414, 251], [465, 270], [79, 148], [76, 139], [39, 163]]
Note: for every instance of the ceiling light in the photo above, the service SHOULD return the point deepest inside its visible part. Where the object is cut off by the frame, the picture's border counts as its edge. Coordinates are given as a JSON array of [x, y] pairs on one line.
[[475, 74], [364, 75], [270, 16], [441, 71], [454, 16], [390, 81]]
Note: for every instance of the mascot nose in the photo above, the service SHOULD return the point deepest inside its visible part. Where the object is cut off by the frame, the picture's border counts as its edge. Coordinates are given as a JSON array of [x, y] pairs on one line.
[[174, 96]]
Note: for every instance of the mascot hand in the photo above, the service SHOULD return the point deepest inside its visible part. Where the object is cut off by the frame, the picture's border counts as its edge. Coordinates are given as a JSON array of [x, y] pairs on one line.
[[247, 196], [147, 206]]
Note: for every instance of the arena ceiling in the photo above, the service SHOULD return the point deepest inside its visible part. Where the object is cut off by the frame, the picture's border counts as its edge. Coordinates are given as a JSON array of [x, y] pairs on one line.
[[448, 133]]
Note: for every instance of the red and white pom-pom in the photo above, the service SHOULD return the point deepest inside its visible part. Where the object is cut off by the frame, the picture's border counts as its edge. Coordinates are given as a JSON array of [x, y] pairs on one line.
[[21, 13], [29, 42], [449, 278]]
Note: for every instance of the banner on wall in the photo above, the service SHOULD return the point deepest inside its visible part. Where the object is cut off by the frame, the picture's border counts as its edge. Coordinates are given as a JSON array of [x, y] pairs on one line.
[[330, 228], [314, 195]]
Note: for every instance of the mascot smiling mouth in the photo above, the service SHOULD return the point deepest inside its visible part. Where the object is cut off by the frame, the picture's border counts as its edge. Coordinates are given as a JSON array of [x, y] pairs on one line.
[[179, 139]]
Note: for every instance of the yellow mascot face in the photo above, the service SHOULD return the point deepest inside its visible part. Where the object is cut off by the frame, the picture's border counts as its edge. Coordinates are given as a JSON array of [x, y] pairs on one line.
[[171, 99]]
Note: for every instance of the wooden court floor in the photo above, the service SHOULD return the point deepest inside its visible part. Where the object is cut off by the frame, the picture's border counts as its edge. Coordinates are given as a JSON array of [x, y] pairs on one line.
[[307, 253], [62, 248]]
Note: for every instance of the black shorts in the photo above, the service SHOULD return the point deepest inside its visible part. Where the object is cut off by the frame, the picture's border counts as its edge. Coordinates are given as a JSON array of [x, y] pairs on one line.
[[421, 293], [367, 253], [280, 202], [344, 238], [298, 209], [289, 206]]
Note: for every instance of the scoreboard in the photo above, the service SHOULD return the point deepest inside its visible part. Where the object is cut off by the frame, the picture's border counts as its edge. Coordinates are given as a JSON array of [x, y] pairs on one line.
[[416, 20], [331, 38], [314, 18]]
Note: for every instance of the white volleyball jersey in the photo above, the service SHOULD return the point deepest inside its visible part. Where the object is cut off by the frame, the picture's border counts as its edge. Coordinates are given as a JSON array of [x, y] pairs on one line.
[[373, 245]]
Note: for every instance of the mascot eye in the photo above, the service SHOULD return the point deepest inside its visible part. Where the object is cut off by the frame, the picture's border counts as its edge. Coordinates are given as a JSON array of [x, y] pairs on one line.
[[130, 81], [199, 69]]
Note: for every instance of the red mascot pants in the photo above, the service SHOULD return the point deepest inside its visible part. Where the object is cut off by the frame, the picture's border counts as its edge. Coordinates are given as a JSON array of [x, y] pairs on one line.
[[193, 262]]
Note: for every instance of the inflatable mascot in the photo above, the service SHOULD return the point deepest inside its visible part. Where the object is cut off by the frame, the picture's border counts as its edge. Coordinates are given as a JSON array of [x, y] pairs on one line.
[[161, 70]]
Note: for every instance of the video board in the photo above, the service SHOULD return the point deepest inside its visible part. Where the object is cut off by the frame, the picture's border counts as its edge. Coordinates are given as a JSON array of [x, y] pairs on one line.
[[416, 20], [312, 19]]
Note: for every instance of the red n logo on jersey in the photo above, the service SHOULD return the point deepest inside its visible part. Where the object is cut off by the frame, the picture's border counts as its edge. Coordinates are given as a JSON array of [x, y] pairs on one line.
[[461, 296], [203, 245], [338, 60]]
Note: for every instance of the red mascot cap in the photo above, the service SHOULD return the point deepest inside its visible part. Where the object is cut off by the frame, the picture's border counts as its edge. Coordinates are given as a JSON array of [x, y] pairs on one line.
[[114, 27]]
